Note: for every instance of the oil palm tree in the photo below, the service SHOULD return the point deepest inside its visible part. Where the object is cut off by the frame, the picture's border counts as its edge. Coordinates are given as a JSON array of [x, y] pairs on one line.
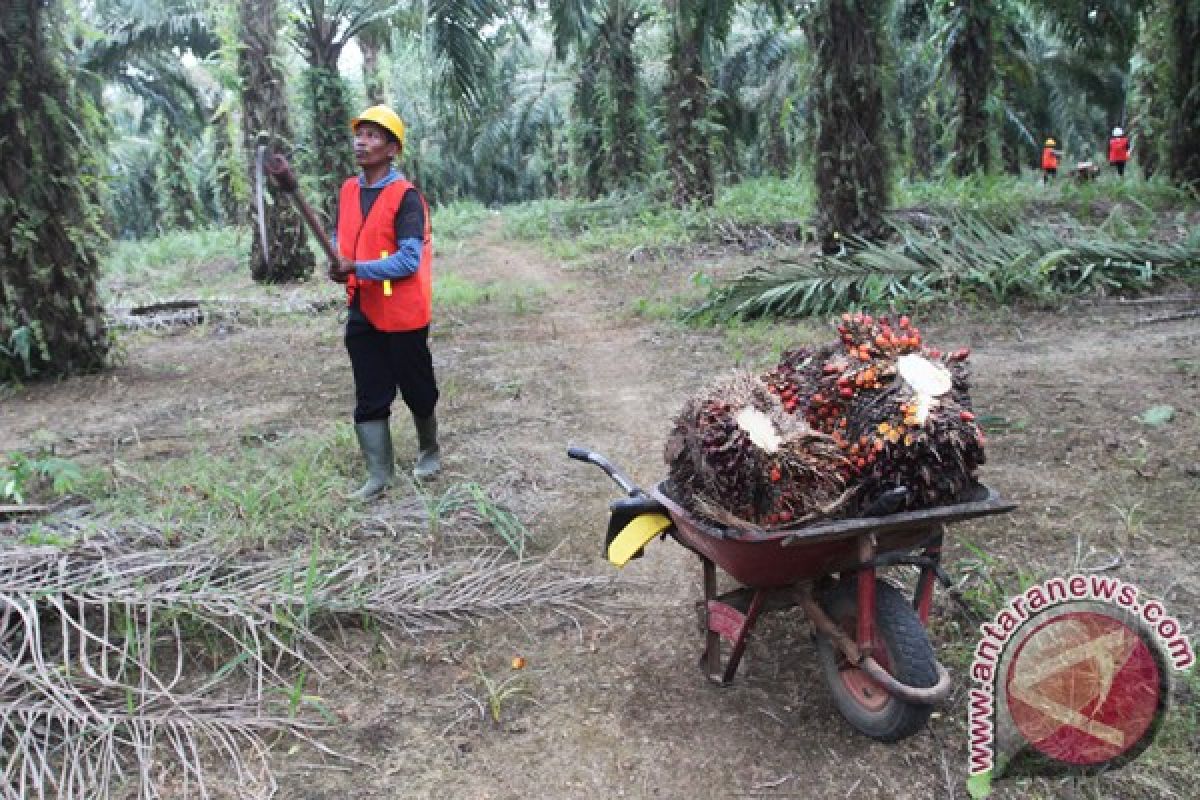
[[51, 320], [1184, 163], [286, 256], [853, 166], [696, 28]]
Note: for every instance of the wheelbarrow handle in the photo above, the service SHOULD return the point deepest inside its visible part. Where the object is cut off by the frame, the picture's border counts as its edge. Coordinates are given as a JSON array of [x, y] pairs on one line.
[[590, 456]]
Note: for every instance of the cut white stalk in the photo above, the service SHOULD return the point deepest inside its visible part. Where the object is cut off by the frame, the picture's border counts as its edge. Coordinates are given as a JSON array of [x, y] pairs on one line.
[[928, 380], [759, 427]]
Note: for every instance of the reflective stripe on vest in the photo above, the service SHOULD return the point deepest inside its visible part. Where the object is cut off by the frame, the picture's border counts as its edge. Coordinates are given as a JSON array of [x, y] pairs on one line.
[[398, 304]]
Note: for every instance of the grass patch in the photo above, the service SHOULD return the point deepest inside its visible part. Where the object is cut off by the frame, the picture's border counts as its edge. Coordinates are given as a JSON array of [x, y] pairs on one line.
[[760, 343], [453, 292], [459, 220], [570, 230], [1009, 199], [258, 495], [176, 261]]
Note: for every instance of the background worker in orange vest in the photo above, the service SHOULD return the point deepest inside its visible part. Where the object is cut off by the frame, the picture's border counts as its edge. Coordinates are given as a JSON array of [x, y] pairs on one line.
[[385, 259], [1050, 160], [1118, 150]]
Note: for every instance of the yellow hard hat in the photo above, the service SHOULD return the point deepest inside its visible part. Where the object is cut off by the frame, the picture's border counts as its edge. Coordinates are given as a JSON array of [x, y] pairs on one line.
[[1050, 143], [385, 118]]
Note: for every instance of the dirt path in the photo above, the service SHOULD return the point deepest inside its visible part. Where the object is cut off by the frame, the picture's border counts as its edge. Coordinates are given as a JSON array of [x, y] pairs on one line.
[[616, 708]]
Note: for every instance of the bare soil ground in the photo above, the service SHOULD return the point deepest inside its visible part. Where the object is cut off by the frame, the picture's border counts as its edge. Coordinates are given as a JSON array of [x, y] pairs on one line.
[[612, 704]]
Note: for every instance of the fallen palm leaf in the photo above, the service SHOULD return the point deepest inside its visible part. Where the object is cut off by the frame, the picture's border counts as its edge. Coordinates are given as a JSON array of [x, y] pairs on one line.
[[967, 258]]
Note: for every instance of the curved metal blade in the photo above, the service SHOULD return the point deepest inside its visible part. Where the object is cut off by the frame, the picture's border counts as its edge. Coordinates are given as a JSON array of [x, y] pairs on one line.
[[259, 179]]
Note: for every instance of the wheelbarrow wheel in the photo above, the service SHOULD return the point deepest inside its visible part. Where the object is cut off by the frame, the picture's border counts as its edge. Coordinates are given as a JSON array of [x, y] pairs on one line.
[[901, 646]]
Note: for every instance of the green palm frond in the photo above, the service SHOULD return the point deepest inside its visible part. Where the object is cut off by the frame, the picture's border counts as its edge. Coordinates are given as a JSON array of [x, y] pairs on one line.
[[126, 41], [820, 286], [969, 258], [458, 30]]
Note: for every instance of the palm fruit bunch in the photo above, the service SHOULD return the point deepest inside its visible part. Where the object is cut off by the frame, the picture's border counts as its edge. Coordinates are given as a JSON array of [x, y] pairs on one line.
[[737, 457], [899, 411]]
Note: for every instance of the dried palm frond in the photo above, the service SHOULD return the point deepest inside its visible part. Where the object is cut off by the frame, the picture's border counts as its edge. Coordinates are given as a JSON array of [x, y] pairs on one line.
[[156, 665]]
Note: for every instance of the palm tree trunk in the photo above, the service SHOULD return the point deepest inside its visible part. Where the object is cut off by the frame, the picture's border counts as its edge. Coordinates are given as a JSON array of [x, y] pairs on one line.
[[626, 160], [232, 196], [921, 142], [370, 42], [51, 321], [179, 205], [333, 153], [1150, 108], [1185, 129], [589, 138], [686, 96], [853, 170], [265, 112], [972, 56]]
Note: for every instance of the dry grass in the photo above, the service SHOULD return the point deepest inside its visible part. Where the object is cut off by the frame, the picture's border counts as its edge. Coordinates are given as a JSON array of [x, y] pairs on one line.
[[125, 661]]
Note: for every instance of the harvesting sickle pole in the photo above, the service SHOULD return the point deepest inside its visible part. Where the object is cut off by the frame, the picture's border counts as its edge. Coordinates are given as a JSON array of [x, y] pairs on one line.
[[280, 170], [260, 155]]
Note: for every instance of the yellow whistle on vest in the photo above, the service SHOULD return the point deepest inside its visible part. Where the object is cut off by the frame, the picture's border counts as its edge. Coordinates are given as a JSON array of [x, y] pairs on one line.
[[387, 285]]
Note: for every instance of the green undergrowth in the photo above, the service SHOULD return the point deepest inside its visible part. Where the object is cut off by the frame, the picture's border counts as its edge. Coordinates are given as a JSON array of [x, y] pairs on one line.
[[459, 220], [182, 261], [570, 229], [1014, 200], [965, 258], [270, 495], [452, 292], [258, 494]]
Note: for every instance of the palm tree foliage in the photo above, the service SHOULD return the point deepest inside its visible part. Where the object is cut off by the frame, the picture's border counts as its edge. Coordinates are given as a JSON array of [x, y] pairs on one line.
[[760, 102], [512, 101]]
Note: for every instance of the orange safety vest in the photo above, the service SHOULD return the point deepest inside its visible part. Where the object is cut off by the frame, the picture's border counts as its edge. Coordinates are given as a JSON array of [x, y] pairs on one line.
[[1118, 149], [1049, 159], [399, 304]]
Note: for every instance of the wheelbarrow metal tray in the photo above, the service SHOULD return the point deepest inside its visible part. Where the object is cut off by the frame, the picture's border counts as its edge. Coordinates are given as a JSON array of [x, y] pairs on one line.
[[770, 559]]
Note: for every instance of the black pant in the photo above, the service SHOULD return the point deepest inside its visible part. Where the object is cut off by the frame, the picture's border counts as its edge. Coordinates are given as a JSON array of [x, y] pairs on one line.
[[1120, 165], [383, 362]]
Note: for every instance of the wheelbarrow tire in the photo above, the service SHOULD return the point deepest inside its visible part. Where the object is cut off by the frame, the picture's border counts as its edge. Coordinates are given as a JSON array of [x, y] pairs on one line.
[[902, 647]]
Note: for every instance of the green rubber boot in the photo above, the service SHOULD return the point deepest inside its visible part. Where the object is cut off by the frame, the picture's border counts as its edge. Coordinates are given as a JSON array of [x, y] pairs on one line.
[[429, 461], [375, 441]]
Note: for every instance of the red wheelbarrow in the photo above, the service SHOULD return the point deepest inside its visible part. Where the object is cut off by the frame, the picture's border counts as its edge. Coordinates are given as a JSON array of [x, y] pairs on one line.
[[871, 639]]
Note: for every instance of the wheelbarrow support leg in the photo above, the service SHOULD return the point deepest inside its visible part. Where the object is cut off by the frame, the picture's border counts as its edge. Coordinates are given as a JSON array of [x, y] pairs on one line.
[[712, 643], [723, 621], [865, 633], [923, 599]]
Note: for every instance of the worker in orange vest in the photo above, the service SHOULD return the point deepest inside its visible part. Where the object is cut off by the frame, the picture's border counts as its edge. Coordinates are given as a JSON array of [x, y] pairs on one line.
[[385, 256], [1050, 160], [1118, 150]]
